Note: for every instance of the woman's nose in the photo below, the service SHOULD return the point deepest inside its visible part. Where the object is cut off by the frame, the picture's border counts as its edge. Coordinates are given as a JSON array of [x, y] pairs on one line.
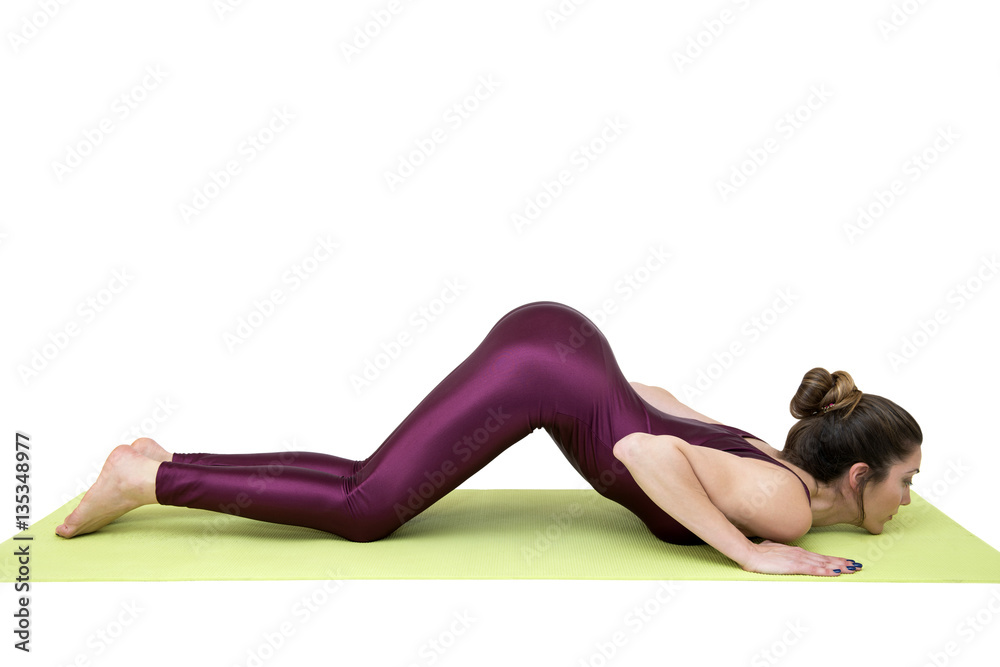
[[906, 498]]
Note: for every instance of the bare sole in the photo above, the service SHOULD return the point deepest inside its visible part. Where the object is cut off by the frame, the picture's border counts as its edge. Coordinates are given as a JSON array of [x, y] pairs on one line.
[[118, 489]]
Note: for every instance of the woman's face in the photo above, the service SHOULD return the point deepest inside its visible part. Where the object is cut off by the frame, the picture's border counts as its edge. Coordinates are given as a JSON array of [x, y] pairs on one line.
[[882, 500]]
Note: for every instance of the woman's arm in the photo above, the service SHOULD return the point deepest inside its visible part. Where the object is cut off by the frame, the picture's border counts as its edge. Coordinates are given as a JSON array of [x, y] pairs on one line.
[[664, 401], [664, 471]]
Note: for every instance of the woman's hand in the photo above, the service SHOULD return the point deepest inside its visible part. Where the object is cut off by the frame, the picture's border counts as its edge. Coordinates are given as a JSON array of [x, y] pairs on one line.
[[776, 558]]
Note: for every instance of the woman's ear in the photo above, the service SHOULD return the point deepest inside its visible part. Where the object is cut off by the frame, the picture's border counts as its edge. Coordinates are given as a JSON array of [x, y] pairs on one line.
[[857, 473]]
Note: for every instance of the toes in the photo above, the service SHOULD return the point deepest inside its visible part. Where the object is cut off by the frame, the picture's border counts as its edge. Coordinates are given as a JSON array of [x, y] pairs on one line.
[[69, 524]]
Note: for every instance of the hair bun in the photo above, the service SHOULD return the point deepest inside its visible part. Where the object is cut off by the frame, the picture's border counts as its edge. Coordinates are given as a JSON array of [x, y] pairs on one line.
[[821, 391]]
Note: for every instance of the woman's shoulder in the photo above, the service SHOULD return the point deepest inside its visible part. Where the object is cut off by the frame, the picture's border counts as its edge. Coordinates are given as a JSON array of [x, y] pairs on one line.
[[758, 497]]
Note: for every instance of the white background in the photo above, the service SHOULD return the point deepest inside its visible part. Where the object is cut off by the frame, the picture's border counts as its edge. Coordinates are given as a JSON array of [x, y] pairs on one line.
[[852, 301]]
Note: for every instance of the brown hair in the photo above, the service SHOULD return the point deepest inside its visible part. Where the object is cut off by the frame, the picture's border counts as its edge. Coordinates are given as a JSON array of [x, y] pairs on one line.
[[828, 439]]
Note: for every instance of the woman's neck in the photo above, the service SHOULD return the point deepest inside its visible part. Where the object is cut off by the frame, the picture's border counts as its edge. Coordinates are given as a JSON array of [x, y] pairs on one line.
[[827, 501]]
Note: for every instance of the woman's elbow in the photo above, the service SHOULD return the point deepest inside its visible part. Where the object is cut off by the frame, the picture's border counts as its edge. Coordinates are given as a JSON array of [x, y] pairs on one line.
[[626, 449], [787, 528], [641, 448]]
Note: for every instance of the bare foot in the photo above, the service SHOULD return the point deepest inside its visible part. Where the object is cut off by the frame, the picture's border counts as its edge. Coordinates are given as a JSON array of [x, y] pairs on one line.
[[151, 449], [127, 481]]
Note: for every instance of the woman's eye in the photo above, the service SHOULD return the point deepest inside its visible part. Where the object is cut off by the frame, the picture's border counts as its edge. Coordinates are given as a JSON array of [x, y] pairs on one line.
[[908, 482]]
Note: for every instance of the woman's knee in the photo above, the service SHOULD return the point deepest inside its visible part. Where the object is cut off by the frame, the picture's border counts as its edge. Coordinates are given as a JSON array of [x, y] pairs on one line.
[[362, 531]]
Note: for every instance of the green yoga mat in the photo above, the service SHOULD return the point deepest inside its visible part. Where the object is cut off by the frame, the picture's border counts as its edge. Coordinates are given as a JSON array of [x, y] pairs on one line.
[[475, 534]]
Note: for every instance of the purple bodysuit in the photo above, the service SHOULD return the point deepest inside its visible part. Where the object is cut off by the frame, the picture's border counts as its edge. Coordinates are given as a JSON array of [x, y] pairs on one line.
[[542, 365]]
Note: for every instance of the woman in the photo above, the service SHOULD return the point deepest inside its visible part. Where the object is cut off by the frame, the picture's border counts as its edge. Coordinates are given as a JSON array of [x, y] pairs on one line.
[[849, 459]]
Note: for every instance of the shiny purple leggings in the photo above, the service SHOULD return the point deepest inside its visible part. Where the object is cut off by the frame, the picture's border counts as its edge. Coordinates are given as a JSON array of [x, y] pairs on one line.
[[542, 365]]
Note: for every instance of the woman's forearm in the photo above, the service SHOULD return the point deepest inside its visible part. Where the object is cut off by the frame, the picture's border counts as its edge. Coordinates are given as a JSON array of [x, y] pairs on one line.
[[664, 401], [663, 472], [658, 397]]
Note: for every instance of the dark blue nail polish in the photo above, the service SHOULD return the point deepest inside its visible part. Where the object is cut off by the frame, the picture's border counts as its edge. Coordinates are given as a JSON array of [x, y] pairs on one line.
[[837, 571], [857, 564], [851, 568]]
